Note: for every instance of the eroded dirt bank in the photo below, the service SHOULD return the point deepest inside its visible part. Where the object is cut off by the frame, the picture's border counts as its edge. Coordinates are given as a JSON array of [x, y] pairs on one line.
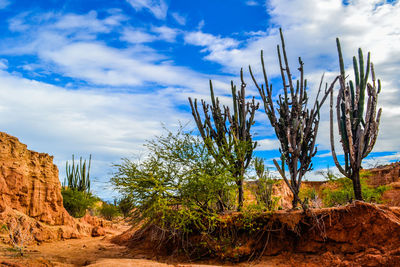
[[358, 234]]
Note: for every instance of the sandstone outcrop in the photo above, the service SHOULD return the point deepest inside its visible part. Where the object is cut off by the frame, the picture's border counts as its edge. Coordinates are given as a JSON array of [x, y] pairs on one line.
[[30, 196], [384, 175], [29, 182]]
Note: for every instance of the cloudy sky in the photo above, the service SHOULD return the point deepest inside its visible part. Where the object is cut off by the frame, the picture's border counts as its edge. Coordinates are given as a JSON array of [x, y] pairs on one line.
[[102, 77]]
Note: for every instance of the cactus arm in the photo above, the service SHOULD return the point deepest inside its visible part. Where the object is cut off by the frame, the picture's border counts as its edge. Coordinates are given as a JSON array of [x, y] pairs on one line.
[[341, 64], [361, 75], [287, 68], [363, 83], [375, 134], [348, 125], [367, 67]]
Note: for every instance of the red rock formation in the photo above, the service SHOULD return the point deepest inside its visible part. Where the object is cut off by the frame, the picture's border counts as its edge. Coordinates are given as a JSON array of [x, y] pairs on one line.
[[384, 175], [30, 196], [29, 182]]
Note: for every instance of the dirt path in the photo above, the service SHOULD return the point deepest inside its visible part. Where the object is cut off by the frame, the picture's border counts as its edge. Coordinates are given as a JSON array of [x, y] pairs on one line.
[[100, 252], [88, 251]]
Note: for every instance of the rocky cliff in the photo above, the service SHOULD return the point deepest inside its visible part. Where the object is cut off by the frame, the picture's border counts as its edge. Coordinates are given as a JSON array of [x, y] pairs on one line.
[[29, 182], [30, 197]]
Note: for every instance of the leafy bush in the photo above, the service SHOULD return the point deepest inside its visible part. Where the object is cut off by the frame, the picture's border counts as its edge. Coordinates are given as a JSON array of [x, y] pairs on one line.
[[126, 206], [178, 186], [344, 193], [307, 193], [77, 202], [109, 211], [262, 188]]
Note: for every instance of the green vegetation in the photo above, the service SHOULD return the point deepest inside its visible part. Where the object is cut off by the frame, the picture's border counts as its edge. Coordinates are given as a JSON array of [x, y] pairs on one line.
[[76, 188], [263, 188], [78, 176], [178, 186], [226, 135], [126, 206], [109, 211], [308, 194], [77, 202], [341, 192]]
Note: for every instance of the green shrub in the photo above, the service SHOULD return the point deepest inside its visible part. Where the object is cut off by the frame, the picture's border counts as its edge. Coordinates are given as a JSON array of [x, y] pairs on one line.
[[179, 186], [262, 188], [126, 206], [344, 192], [77, 202], [307, 193], [109, 211]]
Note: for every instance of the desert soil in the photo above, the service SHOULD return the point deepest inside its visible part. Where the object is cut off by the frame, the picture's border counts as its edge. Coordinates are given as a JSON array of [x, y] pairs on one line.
[[100, 252]]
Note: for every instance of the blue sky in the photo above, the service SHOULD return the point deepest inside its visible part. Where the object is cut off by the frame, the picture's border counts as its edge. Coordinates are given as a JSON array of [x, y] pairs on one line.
[[101, 77]]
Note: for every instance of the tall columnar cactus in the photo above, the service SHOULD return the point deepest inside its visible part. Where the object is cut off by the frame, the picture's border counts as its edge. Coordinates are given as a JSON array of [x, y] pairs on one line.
[[78, 176], [358, 132], [297, 125], [226, 135]]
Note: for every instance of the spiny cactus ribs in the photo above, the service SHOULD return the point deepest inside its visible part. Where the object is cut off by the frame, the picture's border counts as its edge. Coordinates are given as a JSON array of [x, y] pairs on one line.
[[231, 146], [358, 133], [78, 176], [297, 125]]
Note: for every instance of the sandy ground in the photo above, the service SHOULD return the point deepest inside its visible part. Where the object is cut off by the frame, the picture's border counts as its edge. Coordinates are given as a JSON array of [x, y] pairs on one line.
[[88, 251], [100, 252]]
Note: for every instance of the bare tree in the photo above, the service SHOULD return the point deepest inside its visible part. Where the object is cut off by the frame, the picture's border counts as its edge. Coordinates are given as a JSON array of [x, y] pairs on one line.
[[226, 135], [295, 125], [358, 133]]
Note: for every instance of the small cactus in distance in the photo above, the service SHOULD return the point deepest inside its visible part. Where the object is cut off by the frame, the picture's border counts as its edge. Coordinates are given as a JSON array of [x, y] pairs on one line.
[[78, 176]]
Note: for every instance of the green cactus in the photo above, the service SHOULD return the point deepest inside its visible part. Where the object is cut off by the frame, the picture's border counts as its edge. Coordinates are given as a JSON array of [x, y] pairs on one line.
[[227, 136], [358, 133], [78, 176]]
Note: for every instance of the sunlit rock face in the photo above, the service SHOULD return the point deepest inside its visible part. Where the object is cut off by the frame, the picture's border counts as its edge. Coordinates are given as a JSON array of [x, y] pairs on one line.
[[29, 182]]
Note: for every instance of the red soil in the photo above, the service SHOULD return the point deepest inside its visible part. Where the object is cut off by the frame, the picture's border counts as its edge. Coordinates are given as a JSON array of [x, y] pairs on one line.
[[358, 234]]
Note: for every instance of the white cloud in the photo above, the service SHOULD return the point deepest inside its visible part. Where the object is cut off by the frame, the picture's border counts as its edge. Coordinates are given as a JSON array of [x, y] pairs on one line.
[[138, 36], [103, 65], [373, 162], [267, 144], [3, 63], [211, 43], [201, 25], [310, 33], [4, 3], [252, 3], [179, 18], [62, 122], [135, 36], [73, 50], [165, 33], [157, 7]]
